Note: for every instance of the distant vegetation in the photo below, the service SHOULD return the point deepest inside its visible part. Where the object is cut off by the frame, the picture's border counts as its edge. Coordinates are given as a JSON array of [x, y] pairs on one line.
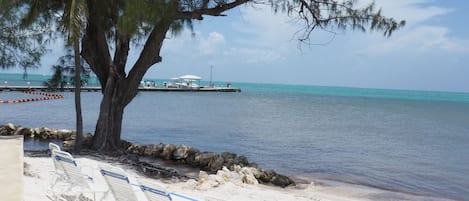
[[64, 73]]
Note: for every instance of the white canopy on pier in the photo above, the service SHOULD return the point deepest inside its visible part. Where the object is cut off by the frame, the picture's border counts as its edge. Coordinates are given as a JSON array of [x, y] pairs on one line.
[[190, 77]]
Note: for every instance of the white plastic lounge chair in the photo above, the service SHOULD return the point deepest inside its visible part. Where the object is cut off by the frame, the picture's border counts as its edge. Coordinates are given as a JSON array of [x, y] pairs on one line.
[[53, 146], [74, 180], [178, 197], [118, 183], [59, 173], [154, 192]]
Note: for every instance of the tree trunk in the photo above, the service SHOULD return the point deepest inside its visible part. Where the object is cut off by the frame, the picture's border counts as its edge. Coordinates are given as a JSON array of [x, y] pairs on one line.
[[79, 118], [118, 88], [108, 128]]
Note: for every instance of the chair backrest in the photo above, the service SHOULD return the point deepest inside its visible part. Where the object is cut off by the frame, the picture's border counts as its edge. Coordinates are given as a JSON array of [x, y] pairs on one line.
[[52, 147], [68, 164], [118, 183], [154, 192]]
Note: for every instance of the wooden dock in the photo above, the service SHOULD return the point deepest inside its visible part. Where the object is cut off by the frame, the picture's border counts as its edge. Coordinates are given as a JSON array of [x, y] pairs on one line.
[[96, 89]]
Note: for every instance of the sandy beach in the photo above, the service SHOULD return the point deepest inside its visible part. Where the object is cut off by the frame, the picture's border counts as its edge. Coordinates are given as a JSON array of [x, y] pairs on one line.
[[39, 172]]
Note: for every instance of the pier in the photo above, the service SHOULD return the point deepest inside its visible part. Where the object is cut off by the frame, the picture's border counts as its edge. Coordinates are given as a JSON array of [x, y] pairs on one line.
[[96, 89]]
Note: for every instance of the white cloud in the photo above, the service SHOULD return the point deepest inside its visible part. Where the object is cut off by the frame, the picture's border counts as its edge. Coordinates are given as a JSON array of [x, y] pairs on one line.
[[413, 11], [420, 39], [198, 44], [215, 37], [417, 36], [255, 56], [211, 44], [264, 37]]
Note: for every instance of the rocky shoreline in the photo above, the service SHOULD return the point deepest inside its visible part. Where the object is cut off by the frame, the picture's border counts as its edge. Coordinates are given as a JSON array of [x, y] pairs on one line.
[[211, 162]]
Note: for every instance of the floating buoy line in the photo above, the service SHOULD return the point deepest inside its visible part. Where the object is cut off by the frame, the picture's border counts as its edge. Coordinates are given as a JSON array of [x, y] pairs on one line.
[[45, 96]]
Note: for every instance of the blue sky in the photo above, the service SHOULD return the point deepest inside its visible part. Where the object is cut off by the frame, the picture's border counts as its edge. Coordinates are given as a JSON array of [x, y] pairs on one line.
[[256, 45]]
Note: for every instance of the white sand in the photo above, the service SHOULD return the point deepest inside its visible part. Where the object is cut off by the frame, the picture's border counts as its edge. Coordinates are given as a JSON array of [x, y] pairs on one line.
[[40, 171]]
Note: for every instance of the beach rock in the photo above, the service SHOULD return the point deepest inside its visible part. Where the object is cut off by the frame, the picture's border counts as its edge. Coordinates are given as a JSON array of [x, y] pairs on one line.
[[64, 134], [247, 174], [266, 176], [68, 143], [226, 175], [207, 181], [10, 126], [153, 150], [215, 164], [125, 144], [229, 159], [281, 180], [46, 133], [134, 149], [36, 132], [228, 156], [191, 154], [7, 129], [242, 160], [201, 160], [168, 151], [23, 131], [181, 152]]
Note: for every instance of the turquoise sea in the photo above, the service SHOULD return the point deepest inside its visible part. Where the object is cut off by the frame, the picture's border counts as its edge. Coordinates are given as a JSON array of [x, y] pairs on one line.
[[411, 142]]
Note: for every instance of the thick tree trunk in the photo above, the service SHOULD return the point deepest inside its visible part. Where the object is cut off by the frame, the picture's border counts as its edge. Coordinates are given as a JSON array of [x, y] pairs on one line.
[[109, 125]]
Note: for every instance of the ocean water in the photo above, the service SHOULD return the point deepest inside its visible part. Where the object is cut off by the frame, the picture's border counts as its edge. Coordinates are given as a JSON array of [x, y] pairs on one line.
[[413, 142]]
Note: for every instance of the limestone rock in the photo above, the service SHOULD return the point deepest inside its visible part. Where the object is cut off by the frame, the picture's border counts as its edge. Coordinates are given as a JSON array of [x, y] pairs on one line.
[[7, 129], [242, 160], [247, 174], [64, 134], [23, 131], [168, 151], [181, 152], [281, 180], [153, 150], [191, 154], [68, 143], [202, 159], [134, 149], [215, 164], [266, 176]]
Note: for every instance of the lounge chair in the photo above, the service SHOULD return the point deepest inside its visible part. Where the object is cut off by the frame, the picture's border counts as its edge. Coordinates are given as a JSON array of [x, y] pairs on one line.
[[73, 179], [154, 192], [59, 173], [53, 146], [118, 183]]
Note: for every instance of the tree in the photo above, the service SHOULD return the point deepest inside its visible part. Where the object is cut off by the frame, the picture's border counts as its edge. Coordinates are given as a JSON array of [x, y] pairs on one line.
[[113, 25], [73, 21], [64, 72]]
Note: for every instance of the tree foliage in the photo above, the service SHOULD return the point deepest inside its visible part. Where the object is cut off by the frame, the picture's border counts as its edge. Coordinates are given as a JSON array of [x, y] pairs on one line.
[[64, 73], [18, 46]]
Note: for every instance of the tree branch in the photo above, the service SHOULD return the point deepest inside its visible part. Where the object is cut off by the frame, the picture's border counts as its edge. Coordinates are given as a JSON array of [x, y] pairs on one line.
[[197, 13]]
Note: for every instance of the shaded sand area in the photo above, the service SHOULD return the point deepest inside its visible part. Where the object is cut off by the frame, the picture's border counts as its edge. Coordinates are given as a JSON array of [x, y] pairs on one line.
[[225, 185]]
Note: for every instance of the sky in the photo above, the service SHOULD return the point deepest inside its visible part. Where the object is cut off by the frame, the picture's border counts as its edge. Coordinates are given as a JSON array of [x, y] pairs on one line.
[[253, 44]]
